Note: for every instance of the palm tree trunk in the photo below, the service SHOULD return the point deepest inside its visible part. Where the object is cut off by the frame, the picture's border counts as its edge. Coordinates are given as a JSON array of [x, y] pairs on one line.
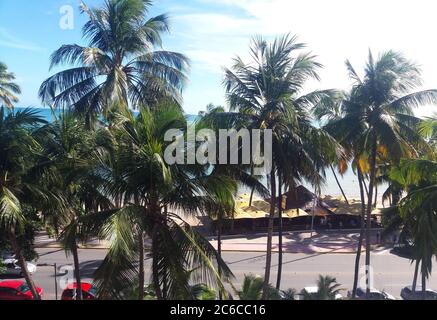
[[376, 196], [416, 273], [155, 275], [164, 280], [396, 198], [339, 185], [280, 254], [219, 250], [423, 283], [23, 264], [253, 188], [74, 252], [251, 196], [360, 241], [141, 266], [270, 234], [369, 212], [365, 187]]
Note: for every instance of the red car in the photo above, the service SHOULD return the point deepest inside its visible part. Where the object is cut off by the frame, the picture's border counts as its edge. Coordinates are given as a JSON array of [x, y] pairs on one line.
[[16, 290], [88, 292]]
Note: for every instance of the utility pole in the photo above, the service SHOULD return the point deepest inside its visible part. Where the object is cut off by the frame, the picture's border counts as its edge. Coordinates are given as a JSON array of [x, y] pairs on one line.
[[56, 281], [55, 266]]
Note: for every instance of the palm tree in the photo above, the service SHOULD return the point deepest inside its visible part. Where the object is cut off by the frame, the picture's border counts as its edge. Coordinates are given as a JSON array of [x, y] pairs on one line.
[[18, 146], [266, 95], [150, 194], [216, 119], [220, 205], [69, 171], [119, 67], [362, 229], [223, 204], [378, 114], [327, 289], [253, 289], [418, 212], [339, 184], [203, 292], [428, 129], [8, 89]]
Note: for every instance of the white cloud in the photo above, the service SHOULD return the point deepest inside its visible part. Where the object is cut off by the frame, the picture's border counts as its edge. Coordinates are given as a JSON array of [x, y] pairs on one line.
[[9, 41], [334, 30]]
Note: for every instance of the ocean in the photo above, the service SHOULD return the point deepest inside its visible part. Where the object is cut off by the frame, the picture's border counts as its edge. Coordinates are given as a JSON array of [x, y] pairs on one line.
[[348, 181]]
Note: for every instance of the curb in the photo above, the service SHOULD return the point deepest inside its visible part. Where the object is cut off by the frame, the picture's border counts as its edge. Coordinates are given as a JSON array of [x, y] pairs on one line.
[[226, 237]]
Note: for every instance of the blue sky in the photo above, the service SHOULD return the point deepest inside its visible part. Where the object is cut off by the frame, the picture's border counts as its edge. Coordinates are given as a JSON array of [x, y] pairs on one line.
[[212, 32]]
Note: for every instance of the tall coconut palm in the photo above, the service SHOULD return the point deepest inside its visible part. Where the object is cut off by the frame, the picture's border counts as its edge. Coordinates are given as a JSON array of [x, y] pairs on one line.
[[18, 150], [216, 119], [151, 195], [70, 173], [418, 211], [265, 92], [8, 89], [120, 66], [379, 110]]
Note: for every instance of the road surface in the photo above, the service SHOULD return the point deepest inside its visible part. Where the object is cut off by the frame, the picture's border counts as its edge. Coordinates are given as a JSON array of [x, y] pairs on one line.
[[391, 272]]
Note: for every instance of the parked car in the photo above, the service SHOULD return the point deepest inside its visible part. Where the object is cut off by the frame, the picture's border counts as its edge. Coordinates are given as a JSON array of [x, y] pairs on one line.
[[17, 290], [12, 267], [70, 292], [313, 290], [7, 255], [404, 249], [375, 294], [407, 293]]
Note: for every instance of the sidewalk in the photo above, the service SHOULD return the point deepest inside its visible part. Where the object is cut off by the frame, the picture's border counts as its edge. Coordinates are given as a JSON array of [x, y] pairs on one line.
[[42, 240], [297, 242], [293, 242]]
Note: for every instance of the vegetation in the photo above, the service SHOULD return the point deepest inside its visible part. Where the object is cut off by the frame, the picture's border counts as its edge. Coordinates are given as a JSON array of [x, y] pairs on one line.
[[376, 120], [327, 289], [8, 89], [121, 51], [266, 94], [253, 289], [18, 151], [99, 169], [417, 212]]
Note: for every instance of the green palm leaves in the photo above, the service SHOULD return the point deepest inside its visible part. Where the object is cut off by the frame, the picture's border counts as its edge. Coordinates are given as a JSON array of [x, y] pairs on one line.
[[327, 289], [418, 208], [252, 289], [150, 196], [8, 89], [19, 151], [266, 93], [380, 105], [18, 145], [120, 67], [375, 120]]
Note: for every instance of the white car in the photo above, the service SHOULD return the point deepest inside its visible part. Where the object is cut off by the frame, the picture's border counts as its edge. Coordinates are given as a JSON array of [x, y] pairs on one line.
[[13, 268], [315, 289], [375, 294]]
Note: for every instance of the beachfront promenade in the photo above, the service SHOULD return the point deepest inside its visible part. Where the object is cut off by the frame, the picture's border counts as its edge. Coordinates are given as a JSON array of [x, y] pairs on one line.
[[335, 241]]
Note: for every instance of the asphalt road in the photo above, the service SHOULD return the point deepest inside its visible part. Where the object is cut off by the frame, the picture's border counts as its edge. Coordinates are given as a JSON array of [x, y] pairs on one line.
[[391, 272]]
